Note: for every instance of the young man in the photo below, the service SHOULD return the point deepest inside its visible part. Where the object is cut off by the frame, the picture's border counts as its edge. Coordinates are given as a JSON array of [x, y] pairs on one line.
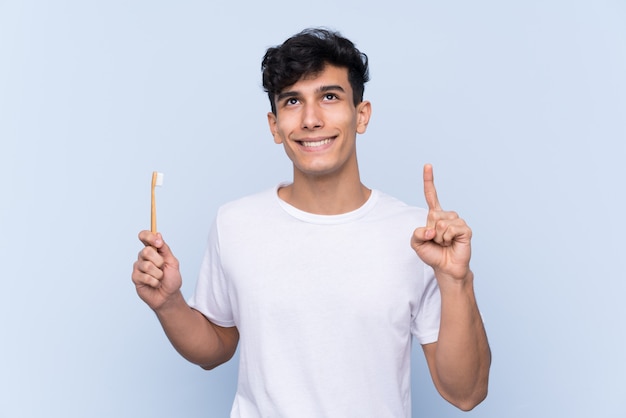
[[319, 281]]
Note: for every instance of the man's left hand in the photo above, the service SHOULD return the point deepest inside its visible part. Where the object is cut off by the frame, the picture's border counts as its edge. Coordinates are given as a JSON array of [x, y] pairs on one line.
[[445, 242]]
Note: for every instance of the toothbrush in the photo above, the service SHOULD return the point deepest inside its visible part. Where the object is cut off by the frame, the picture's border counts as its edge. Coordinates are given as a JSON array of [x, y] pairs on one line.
[[157, 180]]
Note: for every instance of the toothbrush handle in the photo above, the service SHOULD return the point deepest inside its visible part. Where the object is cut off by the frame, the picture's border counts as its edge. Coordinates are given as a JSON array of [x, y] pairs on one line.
[[153, 226]]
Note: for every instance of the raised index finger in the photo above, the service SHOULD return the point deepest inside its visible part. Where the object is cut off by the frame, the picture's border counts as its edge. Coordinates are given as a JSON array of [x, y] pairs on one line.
[[429, 188]]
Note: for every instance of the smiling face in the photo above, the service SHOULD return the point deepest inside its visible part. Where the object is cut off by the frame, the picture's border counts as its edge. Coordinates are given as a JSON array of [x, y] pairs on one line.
[[317, 122]]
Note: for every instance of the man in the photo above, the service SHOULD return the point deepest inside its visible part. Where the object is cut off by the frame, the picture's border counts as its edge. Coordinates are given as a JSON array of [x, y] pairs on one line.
[[319, 281]]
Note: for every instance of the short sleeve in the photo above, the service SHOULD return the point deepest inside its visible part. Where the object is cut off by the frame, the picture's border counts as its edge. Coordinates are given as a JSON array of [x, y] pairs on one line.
[[425, 326], [211, 296]]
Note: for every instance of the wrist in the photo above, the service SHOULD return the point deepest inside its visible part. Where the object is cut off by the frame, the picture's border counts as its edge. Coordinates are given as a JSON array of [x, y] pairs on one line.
[[455, 282], [171, 303]]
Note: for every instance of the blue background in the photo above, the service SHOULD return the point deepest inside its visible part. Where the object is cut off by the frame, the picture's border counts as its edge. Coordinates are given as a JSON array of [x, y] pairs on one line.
[[520, 106]]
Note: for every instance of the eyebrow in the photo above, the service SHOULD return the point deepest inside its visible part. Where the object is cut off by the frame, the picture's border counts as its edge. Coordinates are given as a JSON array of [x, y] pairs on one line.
[[321, 89]]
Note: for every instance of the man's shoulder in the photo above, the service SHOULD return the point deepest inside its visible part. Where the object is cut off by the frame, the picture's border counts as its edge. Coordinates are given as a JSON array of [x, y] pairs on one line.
[[255, 203], [393, 206]]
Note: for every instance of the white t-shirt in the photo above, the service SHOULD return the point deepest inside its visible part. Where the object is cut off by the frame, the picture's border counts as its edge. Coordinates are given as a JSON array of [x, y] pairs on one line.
[[326, 306]]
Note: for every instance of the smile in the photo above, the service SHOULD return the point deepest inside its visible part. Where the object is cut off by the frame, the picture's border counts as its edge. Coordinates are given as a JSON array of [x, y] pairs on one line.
[[316, 143]]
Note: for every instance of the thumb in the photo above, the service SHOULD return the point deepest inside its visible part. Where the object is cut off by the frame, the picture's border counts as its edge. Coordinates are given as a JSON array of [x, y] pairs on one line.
[[422, 235], [165, 251], [161, 246]]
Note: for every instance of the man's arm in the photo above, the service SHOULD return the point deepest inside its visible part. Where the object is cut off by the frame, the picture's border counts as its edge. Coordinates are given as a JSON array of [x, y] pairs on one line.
[[459, 361], [157, 279]]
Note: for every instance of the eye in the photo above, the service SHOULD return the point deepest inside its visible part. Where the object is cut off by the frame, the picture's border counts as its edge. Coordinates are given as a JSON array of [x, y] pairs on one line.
[[330, 96], [291, 101]]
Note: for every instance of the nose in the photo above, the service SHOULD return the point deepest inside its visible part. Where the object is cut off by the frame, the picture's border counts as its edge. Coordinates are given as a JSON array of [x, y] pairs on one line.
[[312, 117]]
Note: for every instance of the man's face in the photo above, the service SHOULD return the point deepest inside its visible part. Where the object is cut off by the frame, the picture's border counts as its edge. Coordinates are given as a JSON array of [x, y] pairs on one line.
[[317, 122]]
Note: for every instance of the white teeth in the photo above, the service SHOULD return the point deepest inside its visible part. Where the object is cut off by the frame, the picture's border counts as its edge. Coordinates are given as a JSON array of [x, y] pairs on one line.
[[316, 143]]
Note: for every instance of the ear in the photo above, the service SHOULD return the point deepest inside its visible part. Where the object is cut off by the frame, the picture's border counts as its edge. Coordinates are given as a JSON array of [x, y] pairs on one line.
[[363, 113], [273, 124]]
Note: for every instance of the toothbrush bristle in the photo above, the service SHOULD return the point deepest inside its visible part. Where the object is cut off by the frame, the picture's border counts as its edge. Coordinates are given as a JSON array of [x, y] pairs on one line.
[[159, 179]]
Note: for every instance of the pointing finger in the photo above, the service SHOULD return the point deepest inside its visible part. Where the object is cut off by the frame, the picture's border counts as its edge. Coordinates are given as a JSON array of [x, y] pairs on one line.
[[429, 188]]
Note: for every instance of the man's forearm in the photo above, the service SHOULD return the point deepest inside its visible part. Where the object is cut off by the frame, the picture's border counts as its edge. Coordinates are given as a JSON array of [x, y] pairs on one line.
[[194, 336], [462, 355]]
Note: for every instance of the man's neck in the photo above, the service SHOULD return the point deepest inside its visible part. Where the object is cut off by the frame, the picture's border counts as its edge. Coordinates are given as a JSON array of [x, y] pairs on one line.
[[325, 196]]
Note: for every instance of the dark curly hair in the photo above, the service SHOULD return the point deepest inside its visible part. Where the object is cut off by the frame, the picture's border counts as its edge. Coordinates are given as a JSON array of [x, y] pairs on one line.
[[306, 53]]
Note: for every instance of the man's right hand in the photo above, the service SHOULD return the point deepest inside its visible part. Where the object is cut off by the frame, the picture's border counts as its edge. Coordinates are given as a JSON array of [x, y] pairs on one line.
[[156, 272]]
